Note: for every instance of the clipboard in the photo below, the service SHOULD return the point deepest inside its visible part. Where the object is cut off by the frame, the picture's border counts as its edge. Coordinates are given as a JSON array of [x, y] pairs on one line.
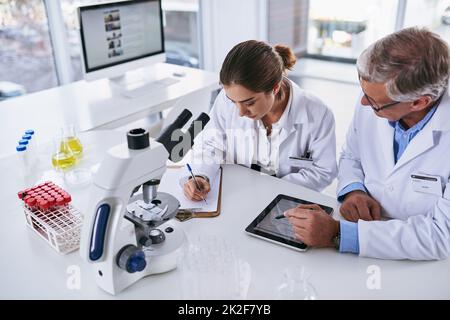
[[186, 214]]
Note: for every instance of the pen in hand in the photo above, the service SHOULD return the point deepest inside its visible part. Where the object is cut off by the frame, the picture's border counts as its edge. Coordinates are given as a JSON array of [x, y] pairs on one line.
[[281, 216], [195, 180]]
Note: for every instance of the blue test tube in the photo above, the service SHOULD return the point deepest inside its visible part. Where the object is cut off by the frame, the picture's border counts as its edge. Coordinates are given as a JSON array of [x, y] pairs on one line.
[[33, 144], [21, 148], [28, 137], [23, 159], [30, 147], [24, 142]]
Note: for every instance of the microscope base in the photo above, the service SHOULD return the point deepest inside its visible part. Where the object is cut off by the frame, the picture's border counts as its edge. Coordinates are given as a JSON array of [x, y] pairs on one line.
[[160, 258]]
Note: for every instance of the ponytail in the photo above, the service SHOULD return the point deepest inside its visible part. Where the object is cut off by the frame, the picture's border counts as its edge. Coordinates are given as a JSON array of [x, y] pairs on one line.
[[286, 54]]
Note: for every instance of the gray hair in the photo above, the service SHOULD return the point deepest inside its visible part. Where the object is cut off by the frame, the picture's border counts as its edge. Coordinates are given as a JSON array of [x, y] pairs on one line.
[[412, 62]]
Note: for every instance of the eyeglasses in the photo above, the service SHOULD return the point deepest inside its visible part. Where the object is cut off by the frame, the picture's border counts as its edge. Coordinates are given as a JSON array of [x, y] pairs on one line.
[[372, 102], [375, 106]]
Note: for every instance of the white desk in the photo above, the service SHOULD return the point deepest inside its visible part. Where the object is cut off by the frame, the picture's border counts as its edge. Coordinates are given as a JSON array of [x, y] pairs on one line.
[[29, 268], [93, 105]]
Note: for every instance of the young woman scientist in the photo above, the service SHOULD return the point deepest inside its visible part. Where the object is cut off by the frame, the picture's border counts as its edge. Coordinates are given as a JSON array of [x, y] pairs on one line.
[[266, 122]]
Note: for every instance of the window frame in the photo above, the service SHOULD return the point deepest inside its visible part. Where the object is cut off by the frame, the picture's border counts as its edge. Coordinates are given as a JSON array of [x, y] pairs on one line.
[[60, 43]]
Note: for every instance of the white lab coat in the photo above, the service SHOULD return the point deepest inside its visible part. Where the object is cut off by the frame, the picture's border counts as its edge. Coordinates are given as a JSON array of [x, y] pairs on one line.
[[419, 224], [309, 126]]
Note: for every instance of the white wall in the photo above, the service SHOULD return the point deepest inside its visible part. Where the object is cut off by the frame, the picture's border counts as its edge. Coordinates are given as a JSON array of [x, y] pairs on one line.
[[288, 23], [225, 23]]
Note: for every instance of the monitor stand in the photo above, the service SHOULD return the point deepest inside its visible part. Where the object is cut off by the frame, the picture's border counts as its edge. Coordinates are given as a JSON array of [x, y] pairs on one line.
[[135, 85]]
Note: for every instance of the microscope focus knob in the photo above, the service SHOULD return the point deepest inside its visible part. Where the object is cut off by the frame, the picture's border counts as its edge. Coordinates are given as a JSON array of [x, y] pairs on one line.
[[156, 236], [131, 259]]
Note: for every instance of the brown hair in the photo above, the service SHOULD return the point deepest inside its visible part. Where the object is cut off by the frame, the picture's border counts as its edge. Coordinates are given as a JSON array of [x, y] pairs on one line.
[[412, 62], [257, 66]]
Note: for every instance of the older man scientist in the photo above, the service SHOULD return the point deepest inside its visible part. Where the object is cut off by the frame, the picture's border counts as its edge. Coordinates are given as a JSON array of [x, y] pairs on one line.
[[394, 169]]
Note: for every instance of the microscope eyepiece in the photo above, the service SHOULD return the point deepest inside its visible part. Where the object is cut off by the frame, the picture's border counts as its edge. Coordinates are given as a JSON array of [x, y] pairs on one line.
[[180, 121], [178, 143], [138, 139]]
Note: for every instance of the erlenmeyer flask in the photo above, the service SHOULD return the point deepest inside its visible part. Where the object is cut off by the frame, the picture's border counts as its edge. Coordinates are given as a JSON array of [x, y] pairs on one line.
[[73, 142], [62, 157]]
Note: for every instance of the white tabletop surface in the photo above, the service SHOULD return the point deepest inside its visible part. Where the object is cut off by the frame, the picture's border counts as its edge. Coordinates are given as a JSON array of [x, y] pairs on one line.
[[29, 268]]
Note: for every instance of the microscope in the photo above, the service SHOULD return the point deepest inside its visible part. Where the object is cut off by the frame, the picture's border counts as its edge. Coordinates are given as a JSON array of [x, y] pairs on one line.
[[126, 233]]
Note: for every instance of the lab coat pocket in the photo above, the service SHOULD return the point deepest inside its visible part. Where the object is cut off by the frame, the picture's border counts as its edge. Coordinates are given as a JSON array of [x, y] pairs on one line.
[[428, 184], [420, 197]]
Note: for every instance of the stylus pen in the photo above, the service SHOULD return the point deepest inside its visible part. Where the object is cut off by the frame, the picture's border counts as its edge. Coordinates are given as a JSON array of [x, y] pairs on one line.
[[281, 216], [195, 180]]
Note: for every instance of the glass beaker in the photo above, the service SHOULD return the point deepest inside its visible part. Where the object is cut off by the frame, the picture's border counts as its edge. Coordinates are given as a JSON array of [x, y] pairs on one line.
[[296, 285], [62, 156], [209, 269], [73, 142]]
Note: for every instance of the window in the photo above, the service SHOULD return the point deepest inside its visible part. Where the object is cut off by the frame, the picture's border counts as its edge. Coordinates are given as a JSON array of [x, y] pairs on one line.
[[27, 58], [337, 30], [180, 29], [181, 32], [433, 14], [342, 29], [26, 54], [69, 12]]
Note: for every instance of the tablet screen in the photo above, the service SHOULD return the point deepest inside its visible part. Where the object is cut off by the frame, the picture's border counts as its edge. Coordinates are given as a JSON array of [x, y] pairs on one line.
[[278, 227], [267, 226]]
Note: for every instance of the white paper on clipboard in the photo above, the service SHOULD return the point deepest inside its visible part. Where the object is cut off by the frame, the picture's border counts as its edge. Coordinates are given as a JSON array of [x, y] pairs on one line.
[[170, 183]]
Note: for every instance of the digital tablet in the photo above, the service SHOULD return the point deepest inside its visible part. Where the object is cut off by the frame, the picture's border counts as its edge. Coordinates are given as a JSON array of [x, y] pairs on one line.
[[266, 226]]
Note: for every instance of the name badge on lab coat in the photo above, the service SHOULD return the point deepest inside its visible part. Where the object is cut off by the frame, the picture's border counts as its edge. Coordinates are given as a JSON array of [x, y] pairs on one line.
[[301, 162], [427, 184]]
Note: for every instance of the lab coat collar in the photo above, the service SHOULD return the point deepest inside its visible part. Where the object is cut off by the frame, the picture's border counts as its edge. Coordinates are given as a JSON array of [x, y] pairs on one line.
[[386, 138], [440, 121], [281, 123], [298, 113], [428, 136]]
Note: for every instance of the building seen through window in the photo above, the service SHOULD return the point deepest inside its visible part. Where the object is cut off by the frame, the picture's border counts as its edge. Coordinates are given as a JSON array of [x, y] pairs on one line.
[[26, 53]]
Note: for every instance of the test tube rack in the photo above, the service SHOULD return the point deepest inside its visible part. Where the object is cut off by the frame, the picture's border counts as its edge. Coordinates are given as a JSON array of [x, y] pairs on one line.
[[49, 213]]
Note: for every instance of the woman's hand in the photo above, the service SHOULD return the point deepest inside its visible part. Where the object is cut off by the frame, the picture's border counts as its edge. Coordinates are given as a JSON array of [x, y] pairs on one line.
[[192, 193]]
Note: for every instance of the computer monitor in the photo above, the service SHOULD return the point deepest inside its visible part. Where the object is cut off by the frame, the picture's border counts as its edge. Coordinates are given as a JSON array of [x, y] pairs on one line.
[[120, 36]]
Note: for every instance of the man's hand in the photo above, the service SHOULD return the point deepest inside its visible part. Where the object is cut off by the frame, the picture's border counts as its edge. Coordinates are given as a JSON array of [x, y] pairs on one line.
[[192, 193], [359, 205], [312, 225]]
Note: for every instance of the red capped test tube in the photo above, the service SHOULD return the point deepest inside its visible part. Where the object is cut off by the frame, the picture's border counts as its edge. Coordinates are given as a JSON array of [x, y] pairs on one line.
[[43, 206], [31, 203]]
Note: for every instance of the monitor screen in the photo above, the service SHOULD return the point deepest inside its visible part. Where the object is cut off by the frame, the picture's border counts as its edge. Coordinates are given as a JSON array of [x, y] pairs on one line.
[[119, 32]]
